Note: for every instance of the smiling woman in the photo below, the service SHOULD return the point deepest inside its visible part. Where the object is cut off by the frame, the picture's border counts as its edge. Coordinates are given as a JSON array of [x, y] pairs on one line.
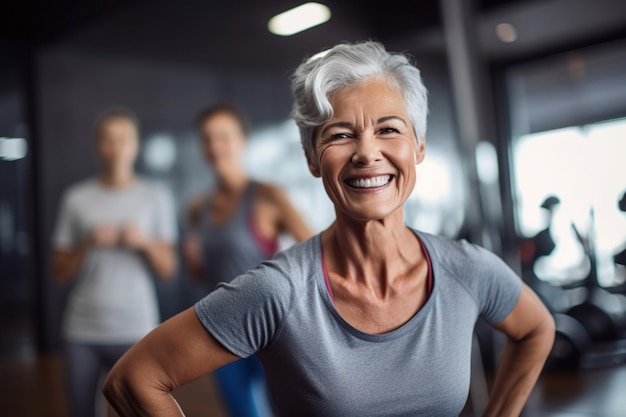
[[370, 317]]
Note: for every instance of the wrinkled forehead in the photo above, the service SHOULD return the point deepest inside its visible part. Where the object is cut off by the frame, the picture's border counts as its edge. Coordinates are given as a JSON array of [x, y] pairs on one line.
[[373, 97]]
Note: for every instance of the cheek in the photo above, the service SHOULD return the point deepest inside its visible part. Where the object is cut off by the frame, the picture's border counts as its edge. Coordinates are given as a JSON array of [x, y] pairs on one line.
[[332, 160], [402, 155], [237, 146]]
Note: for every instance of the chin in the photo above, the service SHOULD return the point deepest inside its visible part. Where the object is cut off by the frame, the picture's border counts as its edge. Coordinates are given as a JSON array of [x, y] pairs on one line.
[[365, 214]]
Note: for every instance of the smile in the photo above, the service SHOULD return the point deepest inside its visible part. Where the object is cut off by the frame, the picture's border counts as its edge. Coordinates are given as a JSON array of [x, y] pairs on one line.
[[372, 182]]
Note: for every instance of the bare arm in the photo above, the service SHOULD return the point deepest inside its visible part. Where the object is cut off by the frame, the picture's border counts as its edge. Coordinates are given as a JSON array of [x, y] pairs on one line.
[[191, 252], [289, 219], [530, 332], [161, 257], [66, 262], [159, 254], [175, 353]]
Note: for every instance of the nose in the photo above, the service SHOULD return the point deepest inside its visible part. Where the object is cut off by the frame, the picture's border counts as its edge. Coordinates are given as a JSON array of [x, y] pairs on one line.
[[367, 151]]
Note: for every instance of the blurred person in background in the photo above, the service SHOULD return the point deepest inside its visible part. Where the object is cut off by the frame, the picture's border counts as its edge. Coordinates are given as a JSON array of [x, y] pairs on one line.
[[113, 232], [233, 229], [369, 317]]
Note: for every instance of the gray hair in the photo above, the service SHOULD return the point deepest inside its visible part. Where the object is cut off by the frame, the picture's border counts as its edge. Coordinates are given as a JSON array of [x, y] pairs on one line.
[[346, 64]]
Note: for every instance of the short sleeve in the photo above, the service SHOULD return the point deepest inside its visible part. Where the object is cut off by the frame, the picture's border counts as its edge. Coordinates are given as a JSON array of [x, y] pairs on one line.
[[65, 234], [246, 314], [165, 226], [497, 288]]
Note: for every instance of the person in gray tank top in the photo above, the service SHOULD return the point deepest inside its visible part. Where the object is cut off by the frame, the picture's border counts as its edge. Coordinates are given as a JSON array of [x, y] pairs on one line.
[[369, 318], [233, 229]]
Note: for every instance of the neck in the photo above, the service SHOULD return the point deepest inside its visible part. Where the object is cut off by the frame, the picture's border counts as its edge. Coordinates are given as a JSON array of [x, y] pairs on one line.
[[233, 181], [371, 251], [117, 178]]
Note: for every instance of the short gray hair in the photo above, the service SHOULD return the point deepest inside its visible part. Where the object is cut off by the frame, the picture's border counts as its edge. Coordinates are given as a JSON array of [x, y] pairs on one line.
[[346, 64]]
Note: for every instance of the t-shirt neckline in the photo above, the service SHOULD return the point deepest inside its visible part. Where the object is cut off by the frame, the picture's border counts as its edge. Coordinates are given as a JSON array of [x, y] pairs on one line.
[[321, 278]]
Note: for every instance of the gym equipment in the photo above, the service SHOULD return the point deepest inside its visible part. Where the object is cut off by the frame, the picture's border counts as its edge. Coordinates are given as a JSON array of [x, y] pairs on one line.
[[570, 344], [592, 333]]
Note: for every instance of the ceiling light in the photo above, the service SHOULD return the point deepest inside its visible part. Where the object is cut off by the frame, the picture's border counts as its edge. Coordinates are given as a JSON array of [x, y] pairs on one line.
[[506, 32], [299, 18], [12, 149]]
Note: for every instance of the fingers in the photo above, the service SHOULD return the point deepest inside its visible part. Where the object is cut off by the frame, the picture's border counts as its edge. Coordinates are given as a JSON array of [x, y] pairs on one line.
[[128, 236], [105, 235]]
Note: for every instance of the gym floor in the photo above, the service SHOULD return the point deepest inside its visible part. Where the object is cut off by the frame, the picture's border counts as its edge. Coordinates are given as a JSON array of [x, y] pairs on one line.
[[31, 385]]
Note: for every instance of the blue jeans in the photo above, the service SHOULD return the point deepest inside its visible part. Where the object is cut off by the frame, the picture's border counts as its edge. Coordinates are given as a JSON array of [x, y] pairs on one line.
[[85, 364], [243, 389]]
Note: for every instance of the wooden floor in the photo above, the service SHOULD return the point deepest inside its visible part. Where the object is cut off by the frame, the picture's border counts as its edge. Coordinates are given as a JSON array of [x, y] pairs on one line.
[[32, 386]]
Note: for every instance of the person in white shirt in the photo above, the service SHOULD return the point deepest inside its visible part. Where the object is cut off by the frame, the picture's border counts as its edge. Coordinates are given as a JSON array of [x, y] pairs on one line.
[[113, 233]]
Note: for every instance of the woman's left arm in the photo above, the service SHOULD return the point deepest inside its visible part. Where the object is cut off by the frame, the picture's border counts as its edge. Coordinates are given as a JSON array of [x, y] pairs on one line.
[[530, 332]]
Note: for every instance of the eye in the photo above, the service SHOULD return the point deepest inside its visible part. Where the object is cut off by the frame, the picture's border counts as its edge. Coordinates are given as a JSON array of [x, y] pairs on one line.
[[337, 136], [388, 130]]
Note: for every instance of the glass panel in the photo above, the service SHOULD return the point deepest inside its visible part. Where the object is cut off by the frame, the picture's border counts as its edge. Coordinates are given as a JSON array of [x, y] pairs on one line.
[[568, 182]]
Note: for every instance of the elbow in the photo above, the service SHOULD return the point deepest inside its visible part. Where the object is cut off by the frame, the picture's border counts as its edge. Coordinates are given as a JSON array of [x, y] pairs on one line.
[[124, 388], [118, 386], [549, 330], [542, 337]]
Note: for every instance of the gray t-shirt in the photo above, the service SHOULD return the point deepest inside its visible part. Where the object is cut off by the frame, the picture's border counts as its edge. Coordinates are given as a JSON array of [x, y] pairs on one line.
[[317, 364], [114, 299]]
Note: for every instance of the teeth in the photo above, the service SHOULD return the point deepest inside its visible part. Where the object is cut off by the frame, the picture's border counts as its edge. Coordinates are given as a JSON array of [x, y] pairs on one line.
[[369, 182]]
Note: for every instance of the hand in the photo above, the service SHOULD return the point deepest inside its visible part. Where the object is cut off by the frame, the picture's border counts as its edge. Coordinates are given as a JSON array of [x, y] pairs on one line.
[[192, 253], [133, 237], [192, 249], [105, 235]]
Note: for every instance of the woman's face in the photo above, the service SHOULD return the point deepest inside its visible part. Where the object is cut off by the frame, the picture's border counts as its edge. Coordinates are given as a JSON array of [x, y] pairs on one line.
[[367, 153], [223, 142], [117, 143]]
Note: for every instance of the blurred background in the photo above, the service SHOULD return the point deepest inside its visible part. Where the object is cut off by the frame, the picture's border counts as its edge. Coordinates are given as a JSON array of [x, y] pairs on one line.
[[526, 153]]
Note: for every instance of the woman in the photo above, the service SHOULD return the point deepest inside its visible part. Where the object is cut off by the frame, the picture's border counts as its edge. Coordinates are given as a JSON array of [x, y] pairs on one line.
[[112, 232], [234, 229], [369, 318]]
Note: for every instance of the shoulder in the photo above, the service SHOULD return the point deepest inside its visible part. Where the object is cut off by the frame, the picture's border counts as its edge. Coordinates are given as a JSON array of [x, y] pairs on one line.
[[275, 281], [295, 264], [153, 187], [457, 255], [79, 191], [270, 192], [488, 279], [300, 254], [471, 265], [154, 192]]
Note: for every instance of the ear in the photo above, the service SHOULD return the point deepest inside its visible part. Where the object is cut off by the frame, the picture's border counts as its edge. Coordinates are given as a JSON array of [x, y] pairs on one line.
[[420, 151], [313, 166]]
